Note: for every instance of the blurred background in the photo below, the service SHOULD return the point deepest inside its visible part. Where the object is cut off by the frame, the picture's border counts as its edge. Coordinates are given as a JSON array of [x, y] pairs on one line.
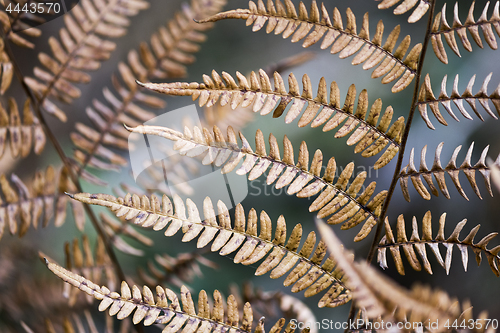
[[231, 47]]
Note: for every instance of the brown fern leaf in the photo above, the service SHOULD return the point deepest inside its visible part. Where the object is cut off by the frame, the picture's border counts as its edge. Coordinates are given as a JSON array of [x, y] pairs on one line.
[[418, 244], [6, 68], [96, 266], [81, 48], [309, 274], [339, 200], [427, 97], [380, 297], [176, 270], [283, 19], [441, 27], [22, 135], [410, 172], [172, 47], [167, 309], [406, 6], [369, 138], [14, 23], [117, 230], [24, 205]]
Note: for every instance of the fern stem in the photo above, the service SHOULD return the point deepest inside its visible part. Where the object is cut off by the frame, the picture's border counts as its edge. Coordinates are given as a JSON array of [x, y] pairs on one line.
[[399, 163], [66, 162], [404, 140]]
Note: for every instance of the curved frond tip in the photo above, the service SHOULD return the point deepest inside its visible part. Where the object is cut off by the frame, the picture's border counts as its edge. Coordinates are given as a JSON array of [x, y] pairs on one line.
[[389, 242], [437, 170], [427, 97], [339, 200], [359, 123], [283, 19], [308, 269], [441, 28]]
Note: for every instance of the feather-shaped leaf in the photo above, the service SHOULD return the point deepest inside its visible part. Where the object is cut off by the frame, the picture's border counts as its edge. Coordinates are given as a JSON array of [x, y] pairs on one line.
[[24, 205], [427, 97], [451, 169], [360, 125], [283, 19], [169, 51], [307, 269], [22, 135], [82, 46], [379, 297], [178, 313], [417, 244], [338, 200], [405, 6], [441, 28]]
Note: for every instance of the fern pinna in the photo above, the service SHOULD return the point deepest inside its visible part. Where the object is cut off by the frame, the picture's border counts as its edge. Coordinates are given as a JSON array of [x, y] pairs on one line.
[[319, 275]]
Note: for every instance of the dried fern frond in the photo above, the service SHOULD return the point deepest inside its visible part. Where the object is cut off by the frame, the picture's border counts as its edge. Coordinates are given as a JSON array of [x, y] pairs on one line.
[[83, 45], [172, 48], [96, 266], [176, 270], [437, 170], [283, 19], [14, 23], [340, 200], [406, 6], [418, 244], [22, 135], [24, 205], [427, 97], [369, 138], [6, 68], [167, 308], [309, 274], [442, 28], [380, 297]]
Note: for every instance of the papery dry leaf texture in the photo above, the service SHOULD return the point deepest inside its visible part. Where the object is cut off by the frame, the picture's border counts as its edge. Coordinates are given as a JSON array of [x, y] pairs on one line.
[[427, 97], [283, 19], [313, 273], [442, 28], [389, 242], [167, 308], [369, 138], [405, 6], [438, 173], [340, 201]]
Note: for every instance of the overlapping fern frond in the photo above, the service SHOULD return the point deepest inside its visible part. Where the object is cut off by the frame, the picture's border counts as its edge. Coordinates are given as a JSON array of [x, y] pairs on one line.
[[170, 50], [406, 6], [369, 138], [437, 170], [389, 242], [381, 298], [311, 273], [427, 97], [283, 19], [442, 28], [24, 205], [83, 45], [340, 201], [167, 308], [22, 135]]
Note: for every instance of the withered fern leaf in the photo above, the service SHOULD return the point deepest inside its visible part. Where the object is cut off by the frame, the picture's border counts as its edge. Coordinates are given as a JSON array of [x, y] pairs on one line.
[[340, 201], [310, 273], [170, 50], [389, 242], [442, 28], [451, 169], [283, 19], [369, 138]]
